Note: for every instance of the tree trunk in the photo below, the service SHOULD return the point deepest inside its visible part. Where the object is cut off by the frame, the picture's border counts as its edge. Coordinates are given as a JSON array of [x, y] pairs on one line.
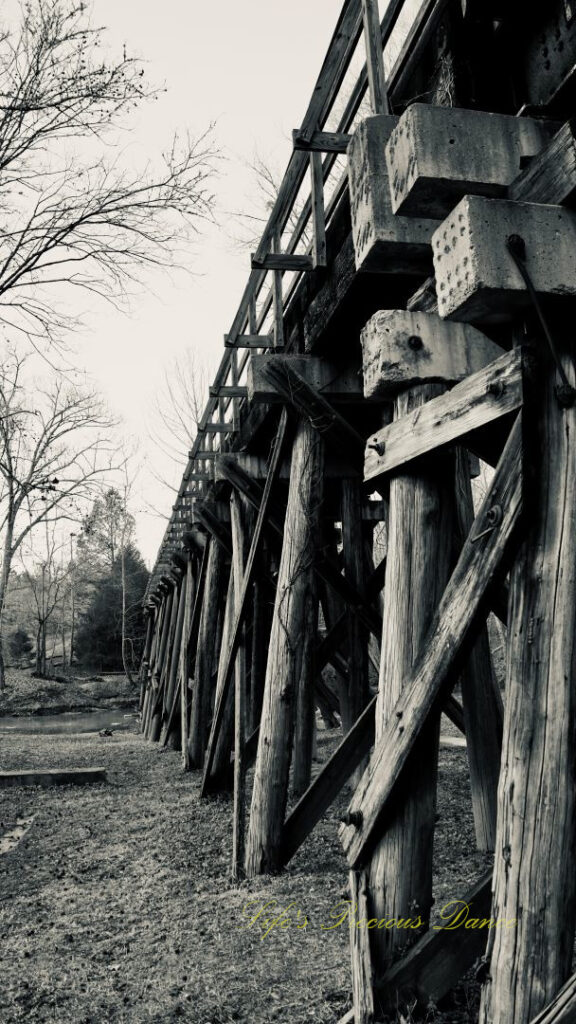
[[295, 580], [4, 576]]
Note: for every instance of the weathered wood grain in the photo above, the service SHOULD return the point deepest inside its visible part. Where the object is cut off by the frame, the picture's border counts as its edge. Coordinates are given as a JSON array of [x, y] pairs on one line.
[[551, 175], [295, 578], [480, 399], [534, 880], [461, 607]]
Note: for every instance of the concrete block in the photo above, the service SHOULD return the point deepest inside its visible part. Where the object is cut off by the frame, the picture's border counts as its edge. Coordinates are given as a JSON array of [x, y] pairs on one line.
[[436, 155], [476, 278], [401, 349], [382, 242], [52, 777]]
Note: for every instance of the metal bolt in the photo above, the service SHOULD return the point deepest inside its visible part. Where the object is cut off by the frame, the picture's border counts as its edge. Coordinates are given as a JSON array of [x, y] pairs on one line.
[[378, 446], [497, 388], [352, 818], [415, 342]]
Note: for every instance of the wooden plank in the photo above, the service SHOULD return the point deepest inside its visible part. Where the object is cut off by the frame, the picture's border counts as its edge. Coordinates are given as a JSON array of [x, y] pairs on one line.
[[328, 783], [248, 341], [460, 610], [318, 212], [338, 383], [551, 175], [418, 562], [206, 611], [481, 698], [295, 579], [224, 391], [440, 958], [52, 777], [236, 632], [321, 142], [562, 1009], [374, 59], [360, 952], [534, 880], [240, 527], [284, 261], [485, 396]]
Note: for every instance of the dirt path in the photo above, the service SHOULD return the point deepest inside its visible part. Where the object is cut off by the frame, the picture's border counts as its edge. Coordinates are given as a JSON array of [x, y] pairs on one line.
[[117, 905]]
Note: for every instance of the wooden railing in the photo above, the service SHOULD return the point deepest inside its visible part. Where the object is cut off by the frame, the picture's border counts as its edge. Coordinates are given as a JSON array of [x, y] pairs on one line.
[[363, 68]]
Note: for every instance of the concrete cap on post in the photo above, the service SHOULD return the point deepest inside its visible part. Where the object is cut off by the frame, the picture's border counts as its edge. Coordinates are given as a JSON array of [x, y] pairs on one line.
[[383, 243], [402, 349], [436, 155]]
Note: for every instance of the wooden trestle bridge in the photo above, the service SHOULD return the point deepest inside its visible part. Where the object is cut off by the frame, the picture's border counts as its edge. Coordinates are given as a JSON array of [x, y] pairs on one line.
[[410, 311]]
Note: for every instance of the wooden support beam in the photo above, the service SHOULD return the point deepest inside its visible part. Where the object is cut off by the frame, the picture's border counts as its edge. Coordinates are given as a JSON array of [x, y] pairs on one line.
[[184, 662], [235, 636], [374, 57], [551, 175], [481, 699], [534, 881], [476, 277], [337, 383], [357, 690], [437, 155], [419, 551], [219, 427], [248, 341], [402, 349], [325, 568], [295, 578], [211, 518], [562, 1009], [334, 775], [460, 610], [321, 142], [318, 211], [283, 261], [311, 404], [225, 391], [305, 719], [383, 243], [205, 654], [439, 959], [240, 514], [480, 399]]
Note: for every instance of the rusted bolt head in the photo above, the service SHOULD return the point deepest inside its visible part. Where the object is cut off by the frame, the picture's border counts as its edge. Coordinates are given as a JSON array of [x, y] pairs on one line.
[[497, 388], [352, 818]]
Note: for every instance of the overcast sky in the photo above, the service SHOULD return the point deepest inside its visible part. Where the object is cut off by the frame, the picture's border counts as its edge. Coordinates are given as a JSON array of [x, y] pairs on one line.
[[250, 67]]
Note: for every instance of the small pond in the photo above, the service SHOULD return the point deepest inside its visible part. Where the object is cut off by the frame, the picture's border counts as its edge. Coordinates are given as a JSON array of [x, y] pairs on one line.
[[69, 722]]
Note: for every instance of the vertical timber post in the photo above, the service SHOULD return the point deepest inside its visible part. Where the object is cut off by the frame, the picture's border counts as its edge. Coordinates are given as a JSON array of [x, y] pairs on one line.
[[284, 664], [534, 880], [205, 654], [421, 527]]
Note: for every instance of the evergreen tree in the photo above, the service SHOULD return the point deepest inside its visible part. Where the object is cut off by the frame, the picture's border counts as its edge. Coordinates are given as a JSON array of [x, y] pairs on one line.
[[19, 646], [99, 634]]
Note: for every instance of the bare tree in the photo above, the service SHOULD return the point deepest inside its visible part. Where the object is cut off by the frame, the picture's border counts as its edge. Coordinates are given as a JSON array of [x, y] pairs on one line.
[[69, 214], [48, 578], [54, 450]]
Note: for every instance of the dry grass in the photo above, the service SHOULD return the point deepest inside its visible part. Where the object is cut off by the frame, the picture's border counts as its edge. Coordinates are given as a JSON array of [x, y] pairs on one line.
[[25, 695], [117, 905]]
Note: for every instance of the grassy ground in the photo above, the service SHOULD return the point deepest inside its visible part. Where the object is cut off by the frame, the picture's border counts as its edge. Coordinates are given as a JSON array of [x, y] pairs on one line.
[[117, 904], [25, 695]]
